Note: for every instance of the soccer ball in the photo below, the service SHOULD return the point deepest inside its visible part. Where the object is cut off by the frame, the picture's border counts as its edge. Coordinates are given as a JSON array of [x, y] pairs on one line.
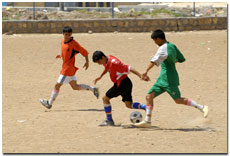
[[135, 117]]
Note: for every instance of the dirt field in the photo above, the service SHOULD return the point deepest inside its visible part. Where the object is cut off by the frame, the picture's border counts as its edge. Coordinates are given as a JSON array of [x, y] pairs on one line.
[[30, 70]]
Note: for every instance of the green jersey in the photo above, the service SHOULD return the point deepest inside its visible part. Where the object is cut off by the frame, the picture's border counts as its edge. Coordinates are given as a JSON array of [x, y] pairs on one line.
[[167, 55]]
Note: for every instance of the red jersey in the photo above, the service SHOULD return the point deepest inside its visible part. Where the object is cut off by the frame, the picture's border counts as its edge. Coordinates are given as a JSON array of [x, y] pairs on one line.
[[118, 71], [69, 50]]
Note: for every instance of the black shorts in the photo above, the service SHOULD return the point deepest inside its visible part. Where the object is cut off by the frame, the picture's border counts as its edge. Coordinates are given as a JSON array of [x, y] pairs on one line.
[[124, 89]]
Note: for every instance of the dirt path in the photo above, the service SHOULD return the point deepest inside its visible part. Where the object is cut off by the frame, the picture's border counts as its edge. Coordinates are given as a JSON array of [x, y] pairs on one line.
[[29, 72]]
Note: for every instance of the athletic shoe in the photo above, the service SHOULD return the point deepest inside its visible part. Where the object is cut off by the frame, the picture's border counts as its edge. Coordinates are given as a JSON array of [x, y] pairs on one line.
[[106, 123], [96, 92], [45, 103], [143, 124], [205, 111]]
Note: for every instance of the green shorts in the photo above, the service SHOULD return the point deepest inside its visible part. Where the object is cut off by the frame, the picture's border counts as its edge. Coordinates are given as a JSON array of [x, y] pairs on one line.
[[173, 91]]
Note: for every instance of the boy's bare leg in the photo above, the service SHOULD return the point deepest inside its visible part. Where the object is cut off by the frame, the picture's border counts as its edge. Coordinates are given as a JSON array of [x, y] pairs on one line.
[[55, 92], [108, 112], [192, 103], [147, 122], [76, 86]]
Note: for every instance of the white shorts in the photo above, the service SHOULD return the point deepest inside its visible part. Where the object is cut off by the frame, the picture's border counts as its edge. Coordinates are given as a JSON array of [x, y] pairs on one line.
[[66, 79]]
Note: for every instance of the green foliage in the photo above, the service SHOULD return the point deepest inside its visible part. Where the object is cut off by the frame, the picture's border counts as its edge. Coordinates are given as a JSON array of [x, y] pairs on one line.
[[18, 16], [121, 15], [165, 11], [82, 11], [143, 13], [5, 18], [152, 14], [90, 12], [104, 16]]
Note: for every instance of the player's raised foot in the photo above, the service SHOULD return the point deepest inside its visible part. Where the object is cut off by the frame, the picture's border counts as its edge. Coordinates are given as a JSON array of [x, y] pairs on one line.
[[143, 124], [45, 103], [106, 123], [96, 92], [205, 111]]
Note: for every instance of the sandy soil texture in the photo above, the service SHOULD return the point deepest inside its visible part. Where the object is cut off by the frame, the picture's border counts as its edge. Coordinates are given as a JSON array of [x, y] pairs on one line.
[[30, 70]]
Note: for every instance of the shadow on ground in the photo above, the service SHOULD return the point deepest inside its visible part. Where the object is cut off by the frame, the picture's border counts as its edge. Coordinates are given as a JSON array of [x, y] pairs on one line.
[[97, 110], [155, 128]]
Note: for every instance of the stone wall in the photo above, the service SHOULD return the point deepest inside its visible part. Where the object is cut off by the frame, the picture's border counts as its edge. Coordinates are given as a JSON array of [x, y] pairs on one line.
[[120, 25]]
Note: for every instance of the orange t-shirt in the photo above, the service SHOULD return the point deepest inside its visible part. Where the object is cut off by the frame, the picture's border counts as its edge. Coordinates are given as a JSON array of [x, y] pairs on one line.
[[69, 50]]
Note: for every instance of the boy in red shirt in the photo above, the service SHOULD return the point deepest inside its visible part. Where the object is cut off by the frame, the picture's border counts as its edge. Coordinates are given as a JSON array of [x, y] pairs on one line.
[[70, 48], [122, 84]]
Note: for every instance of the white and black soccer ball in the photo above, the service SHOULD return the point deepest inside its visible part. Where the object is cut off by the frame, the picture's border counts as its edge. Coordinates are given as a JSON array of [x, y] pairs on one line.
[[135, 117]]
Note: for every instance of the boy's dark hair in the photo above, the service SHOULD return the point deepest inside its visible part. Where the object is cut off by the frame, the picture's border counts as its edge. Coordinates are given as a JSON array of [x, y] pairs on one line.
[[97, 55], [67, 29], [158, 34]]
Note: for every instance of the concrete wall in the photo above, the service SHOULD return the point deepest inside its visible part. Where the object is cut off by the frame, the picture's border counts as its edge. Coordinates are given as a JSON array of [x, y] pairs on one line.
[[121, 25]]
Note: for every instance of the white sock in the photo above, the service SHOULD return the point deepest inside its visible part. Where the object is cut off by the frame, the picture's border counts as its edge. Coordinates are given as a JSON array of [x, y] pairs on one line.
[[86, 87], [53, 96], [194, 104], [149, 109]]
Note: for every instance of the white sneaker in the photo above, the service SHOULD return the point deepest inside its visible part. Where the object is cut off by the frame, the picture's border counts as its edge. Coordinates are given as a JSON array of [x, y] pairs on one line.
[[205, 111], [143, 124], [45, 103], [107, 123], [96, 92]]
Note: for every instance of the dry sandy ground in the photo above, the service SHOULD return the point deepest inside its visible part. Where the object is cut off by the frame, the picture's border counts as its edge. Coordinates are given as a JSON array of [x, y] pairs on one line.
[[30, 70]]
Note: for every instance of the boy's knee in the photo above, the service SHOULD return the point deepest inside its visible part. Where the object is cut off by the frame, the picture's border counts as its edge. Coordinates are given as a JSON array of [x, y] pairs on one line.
[[76, 87], [128, 105], [149, 97], [58, 86], [106, 100], [177, 101]]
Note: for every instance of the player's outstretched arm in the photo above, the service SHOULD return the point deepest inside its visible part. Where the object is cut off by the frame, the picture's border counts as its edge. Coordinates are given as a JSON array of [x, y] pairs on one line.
[[102, 74], [150, 66], [132, 70]]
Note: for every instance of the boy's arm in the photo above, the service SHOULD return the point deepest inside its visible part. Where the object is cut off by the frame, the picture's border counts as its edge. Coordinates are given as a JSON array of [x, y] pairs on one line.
[[81, 49], [150, 66], [132, 70], [159, 57], [83, 52], [102, 74], [58, 56], [179, 58], [86, 65]]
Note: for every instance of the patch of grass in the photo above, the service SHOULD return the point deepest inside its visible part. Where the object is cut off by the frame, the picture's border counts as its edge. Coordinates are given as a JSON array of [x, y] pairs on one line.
[[165, 11], [122, 15], [140, 13], [104, 16], [177, 14], [90, 13], [18, 16], [82, 11], [144, 12], [5, 18]]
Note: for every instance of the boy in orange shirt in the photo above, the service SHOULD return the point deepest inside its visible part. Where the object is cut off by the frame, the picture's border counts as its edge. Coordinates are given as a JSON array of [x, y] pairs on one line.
[[70, 48]]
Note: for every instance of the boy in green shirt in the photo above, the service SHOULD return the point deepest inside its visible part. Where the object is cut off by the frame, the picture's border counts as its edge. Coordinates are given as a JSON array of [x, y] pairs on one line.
[[168, 81]]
